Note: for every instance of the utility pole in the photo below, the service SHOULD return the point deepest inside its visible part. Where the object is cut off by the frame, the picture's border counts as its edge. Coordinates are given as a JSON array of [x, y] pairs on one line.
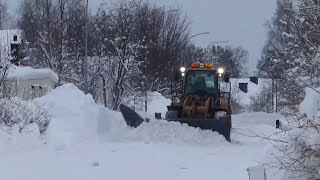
[[85, 63], [276, 95], [272, 98]]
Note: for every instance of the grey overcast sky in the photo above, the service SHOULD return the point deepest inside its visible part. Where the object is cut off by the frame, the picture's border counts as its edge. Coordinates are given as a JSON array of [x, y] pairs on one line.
[[239, 21]]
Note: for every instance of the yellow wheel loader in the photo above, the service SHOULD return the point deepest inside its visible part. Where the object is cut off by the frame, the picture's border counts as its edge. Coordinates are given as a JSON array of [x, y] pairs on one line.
[[203, 101]]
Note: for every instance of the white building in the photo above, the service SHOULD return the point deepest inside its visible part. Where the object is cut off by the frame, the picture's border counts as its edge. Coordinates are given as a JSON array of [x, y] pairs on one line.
[[11, 42], [29, 83]]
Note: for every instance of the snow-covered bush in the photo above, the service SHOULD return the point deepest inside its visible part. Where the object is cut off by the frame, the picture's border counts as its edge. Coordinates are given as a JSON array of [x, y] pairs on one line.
[[299, 148], [291, 53], [19, 112], [299, 151], [3, 73]]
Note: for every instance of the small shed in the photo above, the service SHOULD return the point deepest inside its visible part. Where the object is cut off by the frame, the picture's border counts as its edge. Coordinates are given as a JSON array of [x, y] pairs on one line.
[[29, 83]]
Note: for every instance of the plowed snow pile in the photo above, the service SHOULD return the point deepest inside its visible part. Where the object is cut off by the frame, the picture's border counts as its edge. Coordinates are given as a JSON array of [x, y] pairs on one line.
[[168, 132], [77, 119], [87, 141]]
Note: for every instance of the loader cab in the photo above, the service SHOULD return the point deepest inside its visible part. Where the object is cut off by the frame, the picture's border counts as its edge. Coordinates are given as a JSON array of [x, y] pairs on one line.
[[201, 83]]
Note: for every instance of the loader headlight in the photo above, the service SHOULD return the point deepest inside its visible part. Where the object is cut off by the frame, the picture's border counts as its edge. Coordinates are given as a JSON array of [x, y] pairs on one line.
[[220, 70], [183, 69]]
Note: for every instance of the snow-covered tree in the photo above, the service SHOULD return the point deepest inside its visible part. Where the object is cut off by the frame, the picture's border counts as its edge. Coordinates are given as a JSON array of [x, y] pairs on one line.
[[297, 147], [4, 66], [54, 31], [3, 14], [291, 53], [129, 42], [232, 59], [121, 46]]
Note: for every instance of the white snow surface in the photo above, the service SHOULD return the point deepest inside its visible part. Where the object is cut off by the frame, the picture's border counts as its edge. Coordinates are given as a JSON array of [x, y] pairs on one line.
[[26, 72], [311, 107], [87, 141], [311, 103], [156, 104]]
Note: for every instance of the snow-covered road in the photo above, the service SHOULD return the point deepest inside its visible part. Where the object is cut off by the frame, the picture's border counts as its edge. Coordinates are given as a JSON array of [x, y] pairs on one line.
[[72, 152]]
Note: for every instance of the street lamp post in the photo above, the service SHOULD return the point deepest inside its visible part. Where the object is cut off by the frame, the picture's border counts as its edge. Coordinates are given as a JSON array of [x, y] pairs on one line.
[[85, 63], [216, 42], [172, 10], [203, 33]]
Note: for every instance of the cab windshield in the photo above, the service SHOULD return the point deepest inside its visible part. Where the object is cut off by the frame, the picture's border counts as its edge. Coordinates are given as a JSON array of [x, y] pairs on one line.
[[201, 83]]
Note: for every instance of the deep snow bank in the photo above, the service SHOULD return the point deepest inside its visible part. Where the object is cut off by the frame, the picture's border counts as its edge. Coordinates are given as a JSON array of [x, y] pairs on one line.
[[78, 119], [299, 138], [311, 103], [168, 132], [14, 140], [75, 115]]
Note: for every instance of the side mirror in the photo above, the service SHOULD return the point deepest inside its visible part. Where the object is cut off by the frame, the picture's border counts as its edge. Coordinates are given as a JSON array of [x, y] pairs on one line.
[[226, 77], [177, 77]]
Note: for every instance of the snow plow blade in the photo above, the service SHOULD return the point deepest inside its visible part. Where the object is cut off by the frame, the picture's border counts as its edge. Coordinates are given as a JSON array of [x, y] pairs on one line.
[[221, 126], [132, 118]]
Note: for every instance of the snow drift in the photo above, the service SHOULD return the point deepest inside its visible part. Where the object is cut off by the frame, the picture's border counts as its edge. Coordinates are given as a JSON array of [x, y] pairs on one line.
[[78, 119], [71, 146], [75, 116], [300, 140], [311, 103]]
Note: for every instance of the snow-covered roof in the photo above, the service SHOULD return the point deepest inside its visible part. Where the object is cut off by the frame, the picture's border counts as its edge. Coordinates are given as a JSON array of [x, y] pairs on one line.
[[7, 38], [25, 73], [254, 90]]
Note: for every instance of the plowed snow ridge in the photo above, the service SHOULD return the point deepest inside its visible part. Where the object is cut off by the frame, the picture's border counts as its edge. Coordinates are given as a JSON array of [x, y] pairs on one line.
[[77, 118]]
